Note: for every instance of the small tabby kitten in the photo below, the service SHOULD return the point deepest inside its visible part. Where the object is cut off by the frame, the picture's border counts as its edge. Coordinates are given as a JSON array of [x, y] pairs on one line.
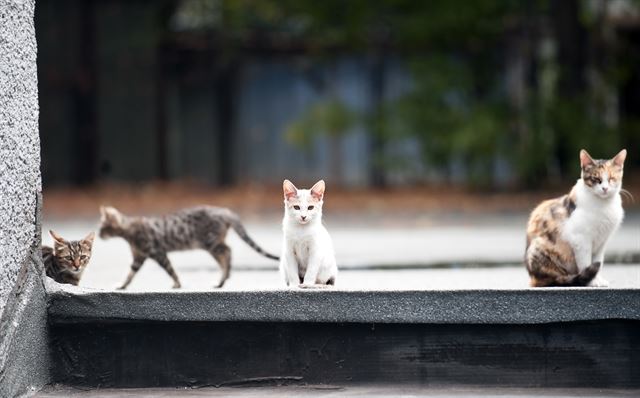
[[66, 261], [567, 236], [307, 259], [202, 227]]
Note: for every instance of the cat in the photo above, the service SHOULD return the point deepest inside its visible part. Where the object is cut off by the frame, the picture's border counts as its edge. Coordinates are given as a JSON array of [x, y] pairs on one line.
[[67, 260], [308, 259], [567, 236], [203, 227]]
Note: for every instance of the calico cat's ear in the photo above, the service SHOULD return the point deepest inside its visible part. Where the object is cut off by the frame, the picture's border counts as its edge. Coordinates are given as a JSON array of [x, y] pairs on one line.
[[585, 159], [89, 238], [618, 160], [57, 238], [317, 190], [290, 190]]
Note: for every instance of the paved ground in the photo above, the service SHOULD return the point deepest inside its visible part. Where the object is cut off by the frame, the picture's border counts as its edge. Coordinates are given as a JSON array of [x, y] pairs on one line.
[[322, 391], [395, 245]]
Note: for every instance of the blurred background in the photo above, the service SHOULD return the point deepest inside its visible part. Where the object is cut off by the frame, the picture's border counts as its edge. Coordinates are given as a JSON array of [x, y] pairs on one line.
[[415, 112]]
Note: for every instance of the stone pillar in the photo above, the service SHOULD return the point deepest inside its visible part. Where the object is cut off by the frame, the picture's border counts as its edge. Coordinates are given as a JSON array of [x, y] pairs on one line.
[[19, 141], [23, 348]]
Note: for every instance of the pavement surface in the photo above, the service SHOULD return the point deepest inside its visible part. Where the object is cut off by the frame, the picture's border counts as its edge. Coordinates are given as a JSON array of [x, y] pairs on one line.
[[321, 391], [437, 252]]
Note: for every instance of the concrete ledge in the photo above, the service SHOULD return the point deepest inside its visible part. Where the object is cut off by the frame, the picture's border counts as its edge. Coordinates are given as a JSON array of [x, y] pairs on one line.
[[527, 306], [603, 354], [578, 337]]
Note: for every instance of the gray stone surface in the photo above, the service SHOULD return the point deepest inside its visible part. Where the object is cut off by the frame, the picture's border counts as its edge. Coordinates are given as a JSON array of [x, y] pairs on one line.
[[23, 334], [19, 140], [524, 306], [390, 243], [24, 358], [322, 391]]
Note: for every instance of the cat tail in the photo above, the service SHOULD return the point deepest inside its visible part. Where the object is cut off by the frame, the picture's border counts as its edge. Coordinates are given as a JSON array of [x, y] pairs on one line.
[[582, 278], [237, 226]]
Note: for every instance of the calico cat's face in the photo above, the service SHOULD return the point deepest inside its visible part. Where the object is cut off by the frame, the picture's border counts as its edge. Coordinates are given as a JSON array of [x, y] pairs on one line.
[[602, 177], [73, 255], [303, 205]]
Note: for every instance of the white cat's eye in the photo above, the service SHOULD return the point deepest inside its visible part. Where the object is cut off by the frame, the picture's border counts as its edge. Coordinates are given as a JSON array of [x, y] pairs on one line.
[[296, 207], [310, 208]]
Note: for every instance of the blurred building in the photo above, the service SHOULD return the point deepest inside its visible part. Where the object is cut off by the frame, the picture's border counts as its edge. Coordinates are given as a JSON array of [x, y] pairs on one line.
[[139, 90]]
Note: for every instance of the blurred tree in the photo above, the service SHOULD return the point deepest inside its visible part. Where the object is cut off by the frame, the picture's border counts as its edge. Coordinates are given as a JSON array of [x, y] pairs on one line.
[[330, 118], [525, 83], [529, 82]]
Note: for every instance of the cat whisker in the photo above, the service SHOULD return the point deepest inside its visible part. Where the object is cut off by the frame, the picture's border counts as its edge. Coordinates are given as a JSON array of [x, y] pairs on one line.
[[627, 195]]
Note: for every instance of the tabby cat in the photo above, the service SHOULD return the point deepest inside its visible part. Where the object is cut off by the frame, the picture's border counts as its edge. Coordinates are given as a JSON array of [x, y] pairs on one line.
[[567, 236], [203, 227], [67, 260]]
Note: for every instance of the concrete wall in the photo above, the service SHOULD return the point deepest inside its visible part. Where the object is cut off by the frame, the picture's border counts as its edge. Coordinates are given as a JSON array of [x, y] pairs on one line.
[[19, 142], [23, 345]]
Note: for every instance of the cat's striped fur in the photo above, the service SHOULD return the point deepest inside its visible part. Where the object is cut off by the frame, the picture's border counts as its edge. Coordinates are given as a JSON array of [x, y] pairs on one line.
[[203, 227], [567, 236], [67, 260]]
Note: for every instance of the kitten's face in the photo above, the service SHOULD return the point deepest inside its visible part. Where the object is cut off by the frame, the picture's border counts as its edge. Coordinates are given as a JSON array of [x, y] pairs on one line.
[[603, 177], [303, 205], [74, 255], [110, 220]]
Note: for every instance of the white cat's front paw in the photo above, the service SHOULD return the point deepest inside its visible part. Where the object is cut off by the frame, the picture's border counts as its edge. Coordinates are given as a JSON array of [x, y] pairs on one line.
[[306, 286], [311, 286], [599, 281]]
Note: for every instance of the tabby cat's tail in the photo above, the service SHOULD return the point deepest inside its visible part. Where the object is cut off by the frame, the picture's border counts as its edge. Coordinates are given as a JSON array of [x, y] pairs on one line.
[[580, 279], [242, 233]]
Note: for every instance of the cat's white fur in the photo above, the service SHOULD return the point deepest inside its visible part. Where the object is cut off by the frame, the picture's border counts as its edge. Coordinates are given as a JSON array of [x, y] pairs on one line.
[[597, 215], [307, 251]]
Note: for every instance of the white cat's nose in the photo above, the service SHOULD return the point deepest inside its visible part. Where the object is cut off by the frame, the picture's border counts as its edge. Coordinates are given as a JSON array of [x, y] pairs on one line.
[[303, 217], [605, 189]]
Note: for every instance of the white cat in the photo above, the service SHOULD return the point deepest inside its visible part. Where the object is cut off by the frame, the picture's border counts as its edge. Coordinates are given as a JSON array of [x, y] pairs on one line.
[[308, 259]]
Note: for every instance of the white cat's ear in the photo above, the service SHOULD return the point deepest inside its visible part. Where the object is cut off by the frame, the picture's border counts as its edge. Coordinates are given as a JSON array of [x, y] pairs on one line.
[[585, 159], [57, 237], [290, 190], [317, 190], [89, 238], [618, 160]]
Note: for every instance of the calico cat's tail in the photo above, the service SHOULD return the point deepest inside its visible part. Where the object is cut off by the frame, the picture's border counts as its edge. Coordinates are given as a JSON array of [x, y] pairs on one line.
[[237, 226], [580, 279]]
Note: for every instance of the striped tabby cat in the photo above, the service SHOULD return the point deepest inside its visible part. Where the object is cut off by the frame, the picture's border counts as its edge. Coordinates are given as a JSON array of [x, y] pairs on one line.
[[567, 236], [67, 260], [202, 227]]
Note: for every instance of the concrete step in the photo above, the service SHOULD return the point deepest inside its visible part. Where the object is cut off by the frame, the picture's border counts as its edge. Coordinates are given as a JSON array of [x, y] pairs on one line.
[[321, 391], [576, 337]]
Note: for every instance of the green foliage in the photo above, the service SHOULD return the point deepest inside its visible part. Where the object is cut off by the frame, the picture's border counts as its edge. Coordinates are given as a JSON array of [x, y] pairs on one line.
[[332, 118], [458, 107], [443, 114]]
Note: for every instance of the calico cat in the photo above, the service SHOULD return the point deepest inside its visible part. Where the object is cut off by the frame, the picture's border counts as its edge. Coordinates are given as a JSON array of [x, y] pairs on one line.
[[307, 258], [202, 227], [567, 236], [67, 260]]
